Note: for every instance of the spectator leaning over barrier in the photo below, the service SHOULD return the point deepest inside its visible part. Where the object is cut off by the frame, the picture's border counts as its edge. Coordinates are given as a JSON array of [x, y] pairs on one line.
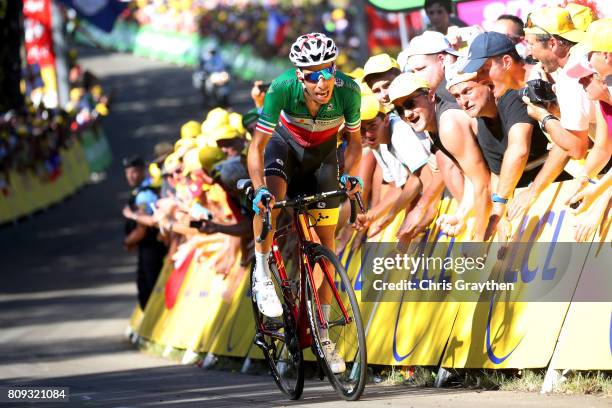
[[151, 251], [419, 106], [412, 149], [427, 56], [376, 134], [594, 72], [550, 34], [497, 53], [509, 139]]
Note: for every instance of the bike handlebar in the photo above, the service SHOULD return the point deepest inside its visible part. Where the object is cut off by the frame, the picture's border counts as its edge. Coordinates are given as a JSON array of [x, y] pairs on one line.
[[246, 186]]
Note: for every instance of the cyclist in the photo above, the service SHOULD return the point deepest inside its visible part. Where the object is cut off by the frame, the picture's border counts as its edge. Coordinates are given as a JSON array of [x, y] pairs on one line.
[[311, 102]]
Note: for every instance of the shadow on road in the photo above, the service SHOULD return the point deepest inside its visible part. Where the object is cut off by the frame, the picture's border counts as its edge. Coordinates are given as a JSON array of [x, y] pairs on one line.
[[188, 386]]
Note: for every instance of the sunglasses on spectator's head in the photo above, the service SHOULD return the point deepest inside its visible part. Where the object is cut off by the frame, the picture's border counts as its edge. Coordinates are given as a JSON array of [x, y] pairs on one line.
[[326, 73], [409, 103], [530, 24]]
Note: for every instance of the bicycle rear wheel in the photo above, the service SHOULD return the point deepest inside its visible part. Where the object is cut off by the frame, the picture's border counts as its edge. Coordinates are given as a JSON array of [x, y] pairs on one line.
[[278, 340], [348, 336]]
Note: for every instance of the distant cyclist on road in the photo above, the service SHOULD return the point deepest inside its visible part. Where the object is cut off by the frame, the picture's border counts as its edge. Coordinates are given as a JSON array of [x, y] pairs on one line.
[[294, 149]]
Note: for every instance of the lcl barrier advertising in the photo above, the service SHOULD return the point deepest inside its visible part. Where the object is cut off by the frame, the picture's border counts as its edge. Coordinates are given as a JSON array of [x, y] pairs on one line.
[[532, 302]]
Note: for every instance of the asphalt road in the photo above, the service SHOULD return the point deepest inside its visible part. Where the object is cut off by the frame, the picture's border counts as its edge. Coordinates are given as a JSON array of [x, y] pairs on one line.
[[68, 288]]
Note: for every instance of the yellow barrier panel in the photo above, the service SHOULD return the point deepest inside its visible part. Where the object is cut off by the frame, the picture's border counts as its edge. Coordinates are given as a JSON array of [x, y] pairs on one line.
[[210, 316], [27, 193], [519, 334], [585, 342]]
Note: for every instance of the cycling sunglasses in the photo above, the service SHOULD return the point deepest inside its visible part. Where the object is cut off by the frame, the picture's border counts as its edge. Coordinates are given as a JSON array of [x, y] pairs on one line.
[[326, 73]]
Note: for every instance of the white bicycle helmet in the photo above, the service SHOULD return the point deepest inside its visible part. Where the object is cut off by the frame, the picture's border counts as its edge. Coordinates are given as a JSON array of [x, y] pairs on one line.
[[313, 49]]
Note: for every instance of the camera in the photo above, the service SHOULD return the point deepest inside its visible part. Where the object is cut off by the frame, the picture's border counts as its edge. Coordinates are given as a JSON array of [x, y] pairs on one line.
[[539, 92]]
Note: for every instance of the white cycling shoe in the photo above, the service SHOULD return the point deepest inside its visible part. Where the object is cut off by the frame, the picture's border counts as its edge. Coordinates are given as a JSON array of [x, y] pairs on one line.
[[336, 363], [267, 301]]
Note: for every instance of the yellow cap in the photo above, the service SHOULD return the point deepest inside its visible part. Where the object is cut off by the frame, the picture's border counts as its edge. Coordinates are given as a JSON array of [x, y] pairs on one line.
[[406, 84], [378, 64], [599, 36], [209, 156], [223, 132], [190, 129], [155, 173], [581, 15], [235, 121], [365, 89], [182, 145], [191, 161], [370, 107], [171, 163], [357, 73], [215, 118], [102, 109], [553, 20]]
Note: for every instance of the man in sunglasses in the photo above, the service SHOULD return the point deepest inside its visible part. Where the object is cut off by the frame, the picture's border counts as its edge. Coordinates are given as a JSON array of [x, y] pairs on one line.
[[298, 155], [412, 149], [550, 34], [418, 105]]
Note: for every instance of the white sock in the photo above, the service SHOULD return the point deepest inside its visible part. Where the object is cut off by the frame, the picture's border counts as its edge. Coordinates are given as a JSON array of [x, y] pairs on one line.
[[326, 310], [262, 269]]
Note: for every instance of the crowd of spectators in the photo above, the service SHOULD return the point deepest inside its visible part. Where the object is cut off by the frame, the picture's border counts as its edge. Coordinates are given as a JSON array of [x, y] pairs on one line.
[[32, 137], [437, 121], [269, 29]]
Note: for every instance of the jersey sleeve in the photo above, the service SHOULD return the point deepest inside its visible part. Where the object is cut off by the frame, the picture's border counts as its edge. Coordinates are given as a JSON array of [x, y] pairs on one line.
[[144, 199], [352, 114], [274, 102]]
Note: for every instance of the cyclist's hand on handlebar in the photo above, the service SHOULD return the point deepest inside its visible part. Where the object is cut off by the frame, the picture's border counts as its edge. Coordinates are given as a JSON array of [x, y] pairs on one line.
[[262, 194], [353, 184]]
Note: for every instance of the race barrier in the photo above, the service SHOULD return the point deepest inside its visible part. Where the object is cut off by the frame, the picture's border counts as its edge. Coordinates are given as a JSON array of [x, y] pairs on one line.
[[28, 192], [196, 310], [182, 48]]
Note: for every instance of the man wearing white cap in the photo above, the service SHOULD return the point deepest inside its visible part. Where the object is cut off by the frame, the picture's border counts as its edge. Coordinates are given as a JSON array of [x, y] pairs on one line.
[[427, 55], [418, 105]]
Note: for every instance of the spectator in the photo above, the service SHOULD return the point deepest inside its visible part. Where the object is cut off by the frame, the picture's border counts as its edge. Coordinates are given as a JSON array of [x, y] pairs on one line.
[[512, 26], [411, 149], [427, 56], [418, 105], [151, 251], [507, 136], [439, 13], [505, 67], [550, 34]]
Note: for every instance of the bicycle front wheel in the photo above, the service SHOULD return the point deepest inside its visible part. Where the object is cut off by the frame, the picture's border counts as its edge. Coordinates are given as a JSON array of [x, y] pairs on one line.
[[278, 340], [346, 334]]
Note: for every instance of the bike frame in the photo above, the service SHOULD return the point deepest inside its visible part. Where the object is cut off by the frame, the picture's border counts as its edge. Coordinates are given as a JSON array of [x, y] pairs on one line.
[[298, 309]]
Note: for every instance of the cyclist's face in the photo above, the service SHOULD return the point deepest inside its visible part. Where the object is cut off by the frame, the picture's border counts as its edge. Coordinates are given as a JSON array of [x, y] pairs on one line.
[[321, 91]]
